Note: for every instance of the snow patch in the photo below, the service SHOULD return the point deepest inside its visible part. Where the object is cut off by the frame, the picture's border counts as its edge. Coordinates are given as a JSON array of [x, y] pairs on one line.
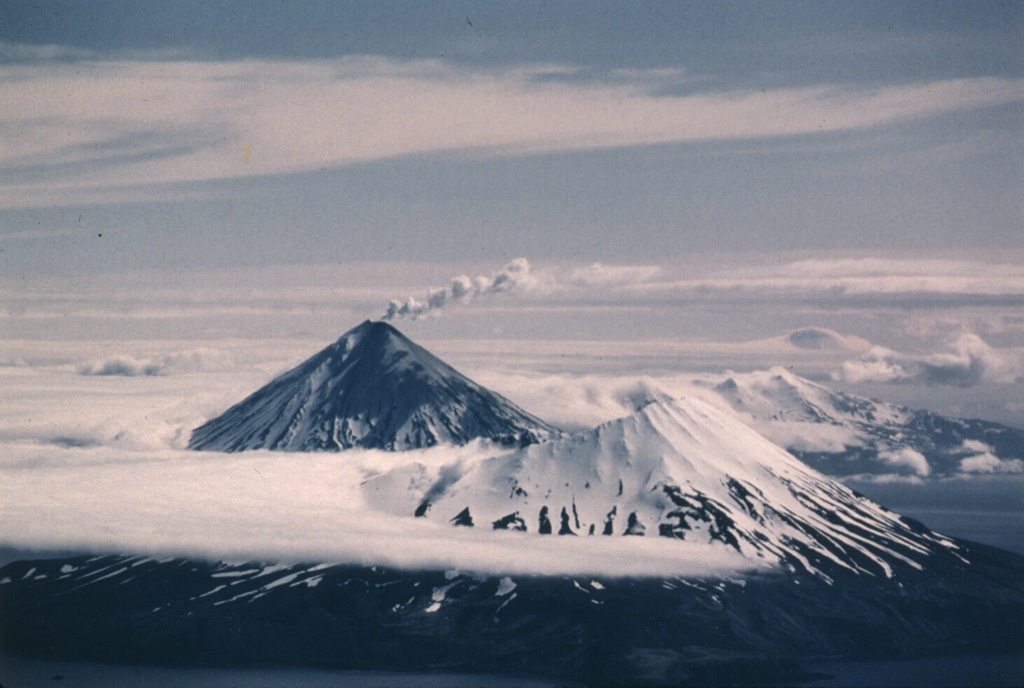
[[505, 586]]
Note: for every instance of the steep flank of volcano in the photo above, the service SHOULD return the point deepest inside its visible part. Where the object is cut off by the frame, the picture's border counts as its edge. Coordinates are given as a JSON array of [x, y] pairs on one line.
[[677, 469], [372, 388]]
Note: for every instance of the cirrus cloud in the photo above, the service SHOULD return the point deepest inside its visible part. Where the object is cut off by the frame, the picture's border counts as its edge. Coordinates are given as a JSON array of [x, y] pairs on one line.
[[101, 130]]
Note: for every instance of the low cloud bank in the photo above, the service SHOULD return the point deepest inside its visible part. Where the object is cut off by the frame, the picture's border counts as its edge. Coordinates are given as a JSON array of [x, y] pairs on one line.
[[278, 506], [170, 364], [969, 362], [106, 474], [581, 402], [981, 460], [905, 457]]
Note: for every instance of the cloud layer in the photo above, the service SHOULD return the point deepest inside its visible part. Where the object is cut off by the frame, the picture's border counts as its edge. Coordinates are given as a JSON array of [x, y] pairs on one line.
[[107, 130], [969, 362], [859, 283], [979, 459], [168, 364], [270, 505]]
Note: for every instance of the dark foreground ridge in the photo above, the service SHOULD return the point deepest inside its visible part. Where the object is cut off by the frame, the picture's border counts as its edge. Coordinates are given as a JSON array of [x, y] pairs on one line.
[[655, 632], [373, 388]]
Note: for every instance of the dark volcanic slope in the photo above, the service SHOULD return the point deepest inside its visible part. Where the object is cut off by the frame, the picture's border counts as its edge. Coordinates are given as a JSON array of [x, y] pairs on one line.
[[629, 631], [372, 388]]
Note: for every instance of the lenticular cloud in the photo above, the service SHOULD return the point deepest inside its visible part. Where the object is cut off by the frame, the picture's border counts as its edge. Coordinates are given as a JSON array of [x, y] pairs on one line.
[[463, 289]]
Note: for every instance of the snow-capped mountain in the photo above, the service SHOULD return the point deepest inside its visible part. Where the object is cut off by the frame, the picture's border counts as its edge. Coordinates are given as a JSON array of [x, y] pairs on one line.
[[830, 574], [843, 434], [678, 469], [372, 388]]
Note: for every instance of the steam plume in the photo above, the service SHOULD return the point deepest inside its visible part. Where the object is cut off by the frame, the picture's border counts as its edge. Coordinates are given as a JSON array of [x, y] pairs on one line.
[[463, 289]]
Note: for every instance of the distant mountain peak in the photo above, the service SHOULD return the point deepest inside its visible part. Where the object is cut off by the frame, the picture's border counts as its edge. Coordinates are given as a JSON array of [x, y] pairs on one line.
[[821, 339], [372, 388], [844, 434]]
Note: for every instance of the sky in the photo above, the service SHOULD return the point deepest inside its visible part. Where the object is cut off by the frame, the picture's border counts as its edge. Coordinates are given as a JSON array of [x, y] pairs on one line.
[[195, 195]]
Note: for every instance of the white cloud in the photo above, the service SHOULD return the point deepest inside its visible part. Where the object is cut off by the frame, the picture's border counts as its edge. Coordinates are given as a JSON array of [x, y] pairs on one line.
[[578, 402], [982, 460], [806, 436], [858, 280], [974, 447], [905, 457], [884, 479], [270, 505], [168, 364], [969, 362], [600, 275], [131, 124], [877, 365]]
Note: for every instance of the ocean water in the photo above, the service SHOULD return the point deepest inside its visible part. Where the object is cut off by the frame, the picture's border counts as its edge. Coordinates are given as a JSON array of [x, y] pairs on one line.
[[16, 672], [959, 672], [978, 672]]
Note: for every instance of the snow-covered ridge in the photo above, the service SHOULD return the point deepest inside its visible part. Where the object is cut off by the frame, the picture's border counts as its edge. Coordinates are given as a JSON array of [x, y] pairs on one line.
[[372, 388], [847, 435], [677, 469]]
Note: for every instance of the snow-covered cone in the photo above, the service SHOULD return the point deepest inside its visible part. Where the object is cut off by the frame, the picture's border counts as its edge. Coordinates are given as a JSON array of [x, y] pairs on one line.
[[677, 469], [372, 388]]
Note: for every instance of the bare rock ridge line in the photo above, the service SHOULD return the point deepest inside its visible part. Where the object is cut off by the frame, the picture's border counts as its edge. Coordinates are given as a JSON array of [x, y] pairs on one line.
[[373, 388]]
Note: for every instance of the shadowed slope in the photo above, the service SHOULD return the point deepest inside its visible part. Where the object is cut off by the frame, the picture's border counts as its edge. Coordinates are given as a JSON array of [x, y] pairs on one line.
[[372, 388]]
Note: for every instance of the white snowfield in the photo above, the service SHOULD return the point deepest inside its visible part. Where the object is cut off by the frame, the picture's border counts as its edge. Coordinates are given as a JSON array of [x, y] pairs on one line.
[[680, 469], [780, 405], [849, 435]]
